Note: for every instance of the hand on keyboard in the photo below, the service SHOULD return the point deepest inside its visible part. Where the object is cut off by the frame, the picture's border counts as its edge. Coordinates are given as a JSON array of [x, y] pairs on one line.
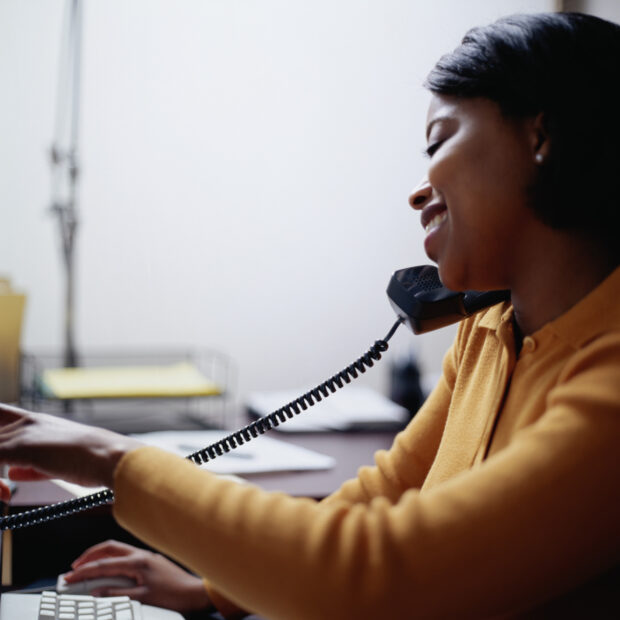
[[159, 581], [95, 586]]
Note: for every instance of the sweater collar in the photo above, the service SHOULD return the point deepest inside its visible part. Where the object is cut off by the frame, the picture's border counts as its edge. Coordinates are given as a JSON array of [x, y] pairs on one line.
[[596, 313]]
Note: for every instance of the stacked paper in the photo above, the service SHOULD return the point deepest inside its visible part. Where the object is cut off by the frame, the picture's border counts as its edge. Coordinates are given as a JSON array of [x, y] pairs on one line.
[[351, 408]]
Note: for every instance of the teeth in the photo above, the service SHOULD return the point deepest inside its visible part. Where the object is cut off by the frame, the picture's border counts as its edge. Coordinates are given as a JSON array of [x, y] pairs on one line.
[[436, 221]]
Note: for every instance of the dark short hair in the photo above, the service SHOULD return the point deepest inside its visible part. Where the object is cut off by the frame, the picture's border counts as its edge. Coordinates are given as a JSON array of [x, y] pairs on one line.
[[565, 66]]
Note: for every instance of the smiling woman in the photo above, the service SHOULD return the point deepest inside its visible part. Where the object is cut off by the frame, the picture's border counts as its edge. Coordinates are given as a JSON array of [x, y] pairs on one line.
[[501, 497], [476, 195], [521, 184]]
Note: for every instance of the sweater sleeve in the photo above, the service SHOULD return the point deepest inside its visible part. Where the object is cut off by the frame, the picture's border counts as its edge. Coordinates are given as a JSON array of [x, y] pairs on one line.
[[409, 460], [403, 467], [530, 522]]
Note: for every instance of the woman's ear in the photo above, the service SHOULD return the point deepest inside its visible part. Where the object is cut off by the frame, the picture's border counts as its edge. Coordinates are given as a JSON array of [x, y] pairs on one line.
[[540, 140]]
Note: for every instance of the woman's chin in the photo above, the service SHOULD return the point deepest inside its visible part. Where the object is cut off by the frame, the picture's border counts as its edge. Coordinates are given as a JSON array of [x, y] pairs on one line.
[[452, 276], [446, 275]]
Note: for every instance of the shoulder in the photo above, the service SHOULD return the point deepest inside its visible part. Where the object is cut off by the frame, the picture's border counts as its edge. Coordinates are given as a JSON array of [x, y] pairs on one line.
[[596, 364], [593, 320]]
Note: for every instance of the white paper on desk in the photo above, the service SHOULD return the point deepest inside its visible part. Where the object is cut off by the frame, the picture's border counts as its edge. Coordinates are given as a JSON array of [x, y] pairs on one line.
[[350, 408], [262, 454], [77, 490]]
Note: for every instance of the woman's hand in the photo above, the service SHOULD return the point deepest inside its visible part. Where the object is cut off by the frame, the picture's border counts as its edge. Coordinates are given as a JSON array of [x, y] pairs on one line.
[[39, 446], [159, 581], [5, 492]]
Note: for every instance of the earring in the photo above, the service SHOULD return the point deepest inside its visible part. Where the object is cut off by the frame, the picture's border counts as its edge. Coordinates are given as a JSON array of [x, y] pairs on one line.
[[539, 158]]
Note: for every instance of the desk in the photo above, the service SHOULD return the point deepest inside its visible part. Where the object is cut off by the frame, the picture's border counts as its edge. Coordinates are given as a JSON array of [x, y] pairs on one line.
[[47, 549], [350, 450]]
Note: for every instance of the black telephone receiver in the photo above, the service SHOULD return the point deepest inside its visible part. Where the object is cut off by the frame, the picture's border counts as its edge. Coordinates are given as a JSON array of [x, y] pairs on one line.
[[419, 299], [424, 304]]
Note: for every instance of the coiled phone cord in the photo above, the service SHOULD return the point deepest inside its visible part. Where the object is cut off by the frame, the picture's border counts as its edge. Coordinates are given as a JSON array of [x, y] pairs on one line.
[[51, 512]]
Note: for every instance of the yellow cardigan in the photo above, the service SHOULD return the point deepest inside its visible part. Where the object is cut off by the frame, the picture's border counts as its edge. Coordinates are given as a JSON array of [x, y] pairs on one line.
[[502, 495]]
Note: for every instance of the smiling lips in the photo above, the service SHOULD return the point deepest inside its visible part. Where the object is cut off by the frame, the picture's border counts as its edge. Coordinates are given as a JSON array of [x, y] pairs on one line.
[[433, 216]]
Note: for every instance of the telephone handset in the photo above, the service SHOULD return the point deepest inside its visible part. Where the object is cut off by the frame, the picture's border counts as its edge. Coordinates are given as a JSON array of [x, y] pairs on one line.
[[420, 301], [424, 304]]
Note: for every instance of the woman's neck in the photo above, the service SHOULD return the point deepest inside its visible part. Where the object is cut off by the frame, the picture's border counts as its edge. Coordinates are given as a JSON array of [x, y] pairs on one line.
[[558, 274]]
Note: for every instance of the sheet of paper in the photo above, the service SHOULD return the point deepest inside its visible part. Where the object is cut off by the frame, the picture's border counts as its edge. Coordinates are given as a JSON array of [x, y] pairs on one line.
[[262, 454], [77, 490], [352, 407]]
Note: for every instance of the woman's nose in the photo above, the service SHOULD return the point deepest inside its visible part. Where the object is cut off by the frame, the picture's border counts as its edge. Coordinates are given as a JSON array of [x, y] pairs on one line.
[[421, 194]]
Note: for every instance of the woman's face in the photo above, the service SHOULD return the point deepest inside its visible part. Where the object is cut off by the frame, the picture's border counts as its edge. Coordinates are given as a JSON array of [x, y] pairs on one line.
[[474, 198]]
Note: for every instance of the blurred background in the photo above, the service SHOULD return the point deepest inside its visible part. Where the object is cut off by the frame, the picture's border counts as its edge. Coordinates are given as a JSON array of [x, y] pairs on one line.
[[244, 173]]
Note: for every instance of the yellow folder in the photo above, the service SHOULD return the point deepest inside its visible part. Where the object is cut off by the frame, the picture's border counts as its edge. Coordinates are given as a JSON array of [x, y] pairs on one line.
[[11, 316], [166, 381]]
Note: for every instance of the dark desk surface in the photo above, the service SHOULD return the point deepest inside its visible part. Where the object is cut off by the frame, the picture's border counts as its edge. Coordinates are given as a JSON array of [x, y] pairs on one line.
[[350, 450]]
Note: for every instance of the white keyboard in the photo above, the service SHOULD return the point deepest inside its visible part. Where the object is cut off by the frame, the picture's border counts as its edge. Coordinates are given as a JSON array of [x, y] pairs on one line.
[[53, 606]]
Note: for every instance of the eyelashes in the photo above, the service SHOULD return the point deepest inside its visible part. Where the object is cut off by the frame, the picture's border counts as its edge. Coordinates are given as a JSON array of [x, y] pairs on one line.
[[430, 149]]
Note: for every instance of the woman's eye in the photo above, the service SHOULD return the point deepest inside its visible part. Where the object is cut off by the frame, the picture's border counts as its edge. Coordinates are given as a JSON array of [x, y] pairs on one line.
[[431, 148]]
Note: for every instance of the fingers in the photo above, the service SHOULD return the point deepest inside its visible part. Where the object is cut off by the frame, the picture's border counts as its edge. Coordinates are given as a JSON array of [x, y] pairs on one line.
[[9, 414], [107, 567], [109, 548], [61, 448], [159, 581], [5, 492], [11, 419], [26, 474]]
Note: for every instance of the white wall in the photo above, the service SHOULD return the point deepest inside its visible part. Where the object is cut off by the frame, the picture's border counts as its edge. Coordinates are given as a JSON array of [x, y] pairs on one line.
[[607, 9], [246, 167]]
